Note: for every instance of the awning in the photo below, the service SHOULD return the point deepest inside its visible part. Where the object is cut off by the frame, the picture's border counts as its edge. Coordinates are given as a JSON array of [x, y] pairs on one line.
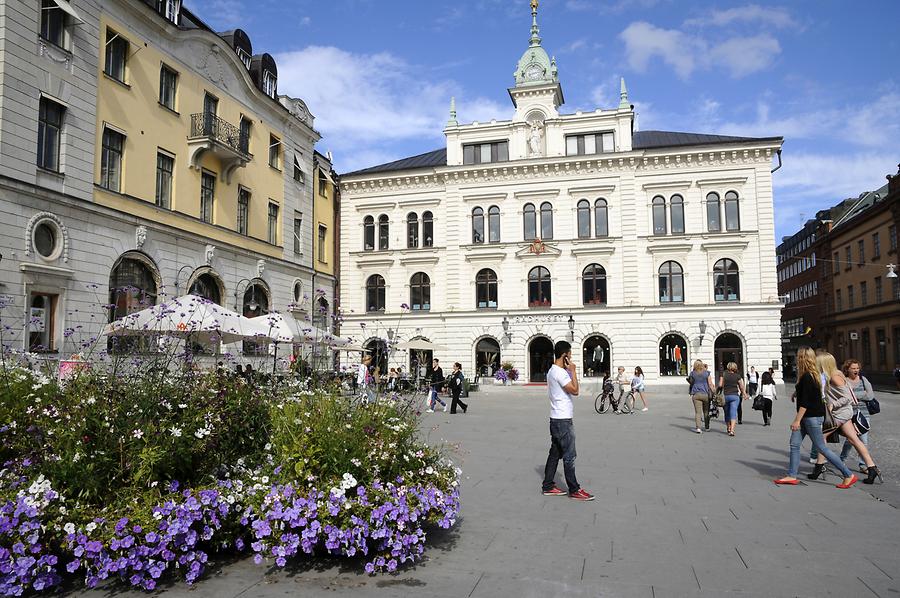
[[327, 176], [67, 8]]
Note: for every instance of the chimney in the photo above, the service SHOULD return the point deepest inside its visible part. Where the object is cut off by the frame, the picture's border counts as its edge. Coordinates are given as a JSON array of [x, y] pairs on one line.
[[894, 181], [828, 224]]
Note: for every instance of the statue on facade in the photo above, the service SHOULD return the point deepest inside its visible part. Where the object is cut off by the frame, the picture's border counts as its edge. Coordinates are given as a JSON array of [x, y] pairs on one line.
[[140, 236], [260, 267], [535, 139], [210, 254]]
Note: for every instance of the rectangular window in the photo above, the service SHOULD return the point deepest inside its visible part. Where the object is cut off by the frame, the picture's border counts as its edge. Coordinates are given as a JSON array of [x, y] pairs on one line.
[[483, 153], [850, 299], [116, 55], [861, 258], [879, 291], [323, 235], [243, 215], [881, 346], [50, 121], [864, 293], [42, 323], [53, 23], [323, 184], [207, 196], [269, 84], [168, 82], [895, 288], [839, 305], [876, 246], [848, 263], [837, 263], [165, 166], [169, 9], [866, 339], [892, 238], [298, 173], [274, 151], [298, 233], [111, 160], [273, 223], [243, 57], [591, 143]]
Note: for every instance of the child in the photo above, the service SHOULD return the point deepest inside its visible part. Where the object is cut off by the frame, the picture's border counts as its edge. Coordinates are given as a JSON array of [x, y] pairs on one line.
[[637, 385]]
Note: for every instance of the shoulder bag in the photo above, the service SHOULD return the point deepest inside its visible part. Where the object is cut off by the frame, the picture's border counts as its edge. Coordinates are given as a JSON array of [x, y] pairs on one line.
[[759, 402], [720, 397], [859, 419], [873, 406], [829, 424]]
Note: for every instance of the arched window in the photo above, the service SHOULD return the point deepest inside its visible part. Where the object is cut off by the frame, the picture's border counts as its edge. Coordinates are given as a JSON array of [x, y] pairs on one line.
[[601, 218], [369, 233], [594, 285], [659, 215], [320, 317], [584, 219], [375, 299], [427, 229], [420, 292], [477, 225], [676, 212], [493, 224], [713, 219], [384, 232], [530, 220], [207, 286], [255, 304], [539, 287], [673, 355], [671, 283], [726, 281], [732, 212], [412, 230], [546, 220], [486, 289], [132, 287]]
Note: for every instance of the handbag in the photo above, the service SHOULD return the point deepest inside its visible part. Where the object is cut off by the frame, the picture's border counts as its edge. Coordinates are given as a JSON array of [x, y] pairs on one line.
[[759, 402], [720, 397], [829, 424], [860, 422], [873, 406]]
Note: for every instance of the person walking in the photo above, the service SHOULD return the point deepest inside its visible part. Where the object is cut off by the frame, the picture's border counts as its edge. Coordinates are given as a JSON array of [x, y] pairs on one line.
[[562, 385], [437, 383], [364, 380], [769, 395], [841, 400], [732, 386], [456, 383], [752, 381], [862, 390], [637, 385], [622, 382], [808, 421], [701, 385]]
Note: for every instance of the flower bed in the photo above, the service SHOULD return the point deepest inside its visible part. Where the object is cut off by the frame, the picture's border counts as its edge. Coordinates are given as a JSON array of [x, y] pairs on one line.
[[148, 475]]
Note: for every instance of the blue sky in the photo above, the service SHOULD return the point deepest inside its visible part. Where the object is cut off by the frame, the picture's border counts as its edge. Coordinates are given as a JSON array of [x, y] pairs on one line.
[[378, 75]]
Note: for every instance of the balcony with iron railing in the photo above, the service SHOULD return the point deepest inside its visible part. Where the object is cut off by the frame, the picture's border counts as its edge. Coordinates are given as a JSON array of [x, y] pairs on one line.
[[209, 133]]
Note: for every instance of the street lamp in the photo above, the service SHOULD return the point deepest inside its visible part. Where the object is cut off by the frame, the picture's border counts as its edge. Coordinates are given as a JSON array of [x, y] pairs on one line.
[[253, 305], [178, 276], [506, 331], [571, 328], [891, 273], [390, 333], [702, 326]]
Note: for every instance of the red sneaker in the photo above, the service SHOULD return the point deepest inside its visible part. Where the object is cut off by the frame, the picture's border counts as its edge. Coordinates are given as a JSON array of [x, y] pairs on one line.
[[581, 495], [555, 491]]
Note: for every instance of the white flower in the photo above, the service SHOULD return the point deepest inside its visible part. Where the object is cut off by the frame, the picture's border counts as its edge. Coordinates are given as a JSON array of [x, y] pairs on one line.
[[69, 528], [429, 470], [182, 405], [137, 433], [176, 432], [90, 527]]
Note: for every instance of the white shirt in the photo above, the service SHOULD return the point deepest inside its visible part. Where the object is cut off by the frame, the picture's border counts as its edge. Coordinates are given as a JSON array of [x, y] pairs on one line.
[[560, 400], [753, 377], [361, 372]]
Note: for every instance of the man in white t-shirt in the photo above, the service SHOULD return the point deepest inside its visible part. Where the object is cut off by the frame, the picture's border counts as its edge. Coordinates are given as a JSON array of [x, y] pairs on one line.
[[562, 385]]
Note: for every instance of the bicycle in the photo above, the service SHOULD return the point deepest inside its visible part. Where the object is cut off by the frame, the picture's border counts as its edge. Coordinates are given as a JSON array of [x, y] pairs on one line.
[[606, 399]]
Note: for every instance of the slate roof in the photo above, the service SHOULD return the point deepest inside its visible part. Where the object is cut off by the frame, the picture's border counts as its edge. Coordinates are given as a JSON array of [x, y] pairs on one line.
[[640, 141]]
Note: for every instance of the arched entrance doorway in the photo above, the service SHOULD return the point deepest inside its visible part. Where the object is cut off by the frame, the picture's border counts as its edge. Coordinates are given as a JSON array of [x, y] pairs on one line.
[[728, 348], [420, 363], [673, 355], [596, 356], [377, 349], [540, 358], [487, 356]]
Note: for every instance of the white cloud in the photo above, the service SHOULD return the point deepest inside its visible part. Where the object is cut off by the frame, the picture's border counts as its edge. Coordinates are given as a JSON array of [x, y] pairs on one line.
[[367, 105], [615, 6], [778, 17], [743, 56]]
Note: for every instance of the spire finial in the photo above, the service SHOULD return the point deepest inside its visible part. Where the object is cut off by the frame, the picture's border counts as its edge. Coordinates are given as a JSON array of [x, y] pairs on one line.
[[624, 104], [535, 31], [452, 120]]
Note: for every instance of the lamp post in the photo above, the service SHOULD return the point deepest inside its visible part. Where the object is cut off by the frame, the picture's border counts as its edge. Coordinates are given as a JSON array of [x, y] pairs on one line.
[[571, 328], [178, 276], [253, 305], [506, 331], [702, 326]]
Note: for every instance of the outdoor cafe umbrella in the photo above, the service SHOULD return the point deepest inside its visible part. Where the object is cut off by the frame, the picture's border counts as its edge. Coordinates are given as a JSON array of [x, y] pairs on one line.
[[288, 330], [188, 316], [421, 344]]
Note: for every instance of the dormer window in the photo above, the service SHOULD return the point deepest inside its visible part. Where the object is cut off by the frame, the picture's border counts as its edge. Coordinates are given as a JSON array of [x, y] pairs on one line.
[[591, 143], [243, 57], [485, 153], [269, 84], [170, 9]]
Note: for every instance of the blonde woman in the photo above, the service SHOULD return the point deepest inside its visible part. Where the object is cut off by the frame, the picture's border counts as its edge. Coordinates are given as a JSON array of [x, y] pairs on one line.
[[733, 387], [701, 383], [808, 421], [840, 399]]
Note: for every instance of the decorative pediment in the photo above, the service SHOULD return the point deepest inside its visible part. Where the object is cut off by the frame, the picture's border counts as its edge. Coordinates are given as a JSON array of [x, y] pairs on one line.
[[538, 248]]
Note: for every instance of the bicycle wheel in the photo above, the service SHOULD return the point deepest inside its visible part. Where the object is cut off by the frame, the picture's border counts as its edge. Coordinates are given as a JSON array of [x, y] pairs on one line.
[[601, 404], [627, 405]]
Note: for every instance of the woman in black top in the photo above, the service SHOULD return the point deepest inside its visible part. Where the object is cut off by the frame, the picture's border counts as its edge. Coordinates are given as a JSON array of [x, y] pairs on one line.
[[808, 422], [457, 381]]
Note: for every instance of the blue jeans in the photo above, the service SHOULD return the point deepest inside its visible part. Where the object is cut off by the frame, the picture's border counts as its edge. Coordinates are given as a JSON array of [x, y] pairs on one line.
[[731, 407], [845, 450], [435, 398], [812, 427], [562, 446]]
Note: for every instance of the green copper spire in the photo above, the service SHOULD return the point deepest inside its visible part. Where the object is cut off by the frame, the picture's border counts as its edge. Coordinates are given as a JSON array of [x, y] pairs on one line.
[[624, 104], [535, 66], [535, 31], [452, 121]]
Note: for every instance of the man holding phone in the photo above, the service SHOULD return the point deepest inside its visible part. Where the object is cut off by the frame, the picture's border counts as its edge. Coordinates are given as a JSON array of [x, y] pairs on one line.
[[562, 385]]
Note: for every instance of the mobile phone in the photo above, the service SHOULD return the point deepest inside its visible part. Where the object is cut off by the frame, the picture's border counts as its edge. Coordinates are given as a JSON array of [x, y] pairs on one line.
[[566, 361]]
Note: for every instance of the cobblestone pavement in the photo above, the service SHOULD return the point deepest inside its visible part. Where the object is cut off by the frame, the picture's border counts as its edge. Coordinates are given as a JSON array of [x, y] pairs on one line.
[[677, 514]]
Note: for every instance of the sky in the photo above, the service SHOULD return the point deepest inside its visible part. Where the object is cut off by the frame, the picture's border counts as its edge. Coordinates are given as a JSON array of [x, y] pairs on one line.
[[378, 75]]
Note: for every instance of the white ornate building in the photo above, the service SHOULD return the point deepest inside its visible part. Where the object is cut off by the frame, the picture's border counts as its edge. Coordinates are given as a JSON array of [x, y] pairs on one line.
[[646, 248]]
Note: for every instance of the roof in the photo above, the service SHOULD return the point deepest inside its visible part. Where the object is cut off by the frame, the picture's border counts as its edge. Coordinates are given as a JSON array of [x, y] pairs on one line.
[[862, 203], [641, 140]]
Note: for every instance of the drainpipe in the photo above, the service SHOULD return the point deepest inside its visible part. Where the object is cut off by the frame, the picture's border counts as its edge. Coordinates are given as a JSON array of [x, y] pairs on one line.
[[778, 152]]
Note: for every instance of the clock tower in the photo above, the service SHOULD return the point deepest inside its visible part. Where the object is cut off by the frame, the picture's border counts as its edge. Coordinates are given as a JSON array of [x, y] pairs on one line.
[[537, 94]]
